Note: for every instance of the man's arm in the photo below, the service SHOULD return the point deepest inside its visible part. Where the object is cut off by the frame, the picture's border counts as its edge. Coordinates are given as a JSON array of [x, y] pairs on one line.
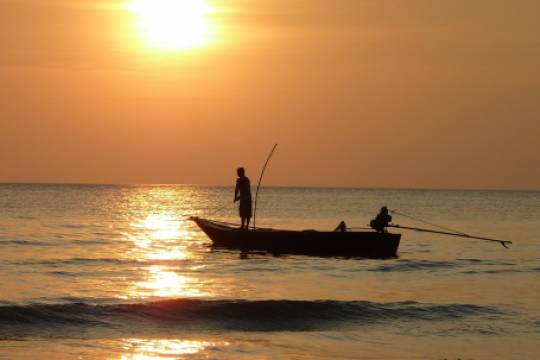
[[236, 190]]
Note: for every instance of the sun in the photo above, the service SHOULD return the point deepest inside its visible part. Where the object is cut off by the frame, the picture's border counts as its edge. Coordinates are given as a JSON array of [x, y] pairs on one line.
[[173, 24]]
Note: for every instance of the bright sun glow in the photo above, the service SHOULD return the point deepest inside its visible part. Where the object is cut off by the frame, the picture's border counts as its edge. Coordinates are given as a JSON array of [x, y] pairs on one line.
[[173, 24]]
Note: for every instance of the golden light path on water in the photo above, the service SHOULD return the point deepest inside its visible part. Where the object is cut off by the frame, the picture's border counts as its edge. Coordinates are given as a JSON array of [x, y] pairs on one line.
[[168, 349], [161, 239]]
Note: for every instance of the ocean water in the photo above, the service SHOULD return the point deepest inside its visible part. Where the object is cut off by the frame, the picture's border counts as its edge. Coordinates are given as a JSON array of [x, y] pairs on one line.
[[118, 272]]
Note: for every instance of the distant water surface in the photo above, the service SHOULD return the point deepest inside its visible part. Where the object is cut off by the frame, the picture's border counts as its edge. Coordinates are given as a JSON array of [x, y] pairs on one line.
[[118, 272]]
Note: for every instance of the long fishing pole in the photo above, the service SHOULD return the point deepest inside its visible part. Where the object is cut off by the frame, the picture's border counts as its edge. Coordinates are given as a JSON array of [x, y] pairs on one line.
[[259, 184], [227, 204], [212, 213], [502, 242], [425, 222]]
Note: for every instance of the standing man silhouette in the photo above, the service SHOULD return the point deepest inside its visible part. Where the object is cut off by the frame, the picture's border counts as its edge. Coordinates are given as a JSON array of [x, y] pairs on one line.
[[243, 193]]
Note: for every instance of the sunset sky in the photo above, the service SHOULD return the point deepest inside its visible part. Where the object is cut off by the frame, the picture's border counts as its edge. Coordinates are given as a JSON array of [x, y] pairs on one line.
[[368, 93]]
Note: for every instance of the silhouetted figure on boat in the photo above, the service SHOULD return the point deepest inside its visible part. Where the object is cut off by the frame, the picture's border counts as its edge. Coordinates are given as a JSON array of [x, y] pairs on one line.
[[381, 221], [243, 193], [342, 227]]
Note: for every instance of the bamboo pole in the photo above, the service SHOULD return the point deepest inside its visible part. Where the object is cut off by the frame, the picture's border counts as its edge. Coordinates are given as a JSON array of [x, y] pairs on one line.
[[502, 242], [259, 185]]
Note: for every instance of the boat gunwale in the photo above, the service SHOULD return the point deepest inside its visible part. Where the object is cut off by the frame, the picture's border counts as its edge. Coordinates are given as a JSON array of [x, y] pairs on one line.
[[225, 226]]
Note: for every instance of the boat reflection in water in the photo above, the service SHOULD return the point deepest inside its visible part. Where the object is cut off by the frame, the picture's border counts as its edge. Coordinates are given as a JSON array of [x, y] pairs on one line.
[[140, 349]]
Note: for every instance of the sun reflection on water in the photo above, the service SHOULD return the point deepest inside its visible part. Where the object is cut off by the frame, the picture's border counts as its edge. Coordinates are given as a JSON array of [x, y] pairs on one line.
[[165, 247], [162, 242], [160, 237], [162, 281], [140, 349], [163, 227]]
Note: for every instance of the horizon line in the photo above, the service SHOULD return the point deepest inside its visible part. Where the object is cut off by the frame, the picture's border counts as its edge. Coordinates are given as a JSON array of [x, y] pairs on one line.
[[344, 187]]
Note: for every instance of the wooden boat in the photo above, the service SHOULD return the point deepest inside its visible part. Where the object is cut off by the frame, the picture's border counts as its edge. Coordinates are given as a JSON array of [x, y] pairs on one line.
[[368, 244]]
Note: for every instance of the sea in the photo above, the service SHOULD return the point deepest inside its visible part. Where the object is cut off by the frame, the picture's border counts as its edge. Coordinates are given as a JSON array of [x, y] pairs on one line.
[[120, 272]]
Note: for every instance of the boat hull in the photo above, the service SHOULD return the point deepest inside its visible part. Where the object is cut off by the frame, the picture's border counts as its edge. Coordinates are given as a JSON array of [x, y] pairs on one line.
[[369, 244]]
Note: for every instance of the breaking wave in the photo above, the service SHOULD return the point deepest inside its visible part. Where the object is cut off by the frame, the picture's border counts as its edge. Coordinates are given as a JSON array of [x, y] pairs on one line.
[[242, 315]]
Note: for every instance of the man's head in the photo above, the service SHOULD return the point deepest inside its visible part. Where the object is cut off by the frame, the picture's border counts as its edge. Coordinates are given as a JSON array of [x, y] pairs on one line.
[[241, 171]]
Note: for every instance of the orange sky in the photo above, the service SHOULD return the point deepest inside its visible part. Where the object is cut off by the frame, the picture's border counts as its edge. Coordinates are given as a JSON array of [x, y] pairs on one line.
[[386, 93]]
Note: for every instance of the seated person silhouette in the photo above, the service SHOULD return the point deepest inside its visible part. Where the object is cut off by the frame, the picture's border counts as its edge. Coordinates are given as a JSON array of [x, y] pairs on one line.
[[342, 227], [381, 221]]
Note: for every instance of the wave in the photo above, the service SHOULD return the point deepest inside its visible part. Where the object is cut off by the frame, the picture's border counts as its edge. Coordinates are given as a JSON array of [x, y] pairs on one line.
[[69, 225], [95, 261], [23, 242], [431, 265], [81, 261], [500, 271], [63, 243], [241, 315], [414, 265]]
